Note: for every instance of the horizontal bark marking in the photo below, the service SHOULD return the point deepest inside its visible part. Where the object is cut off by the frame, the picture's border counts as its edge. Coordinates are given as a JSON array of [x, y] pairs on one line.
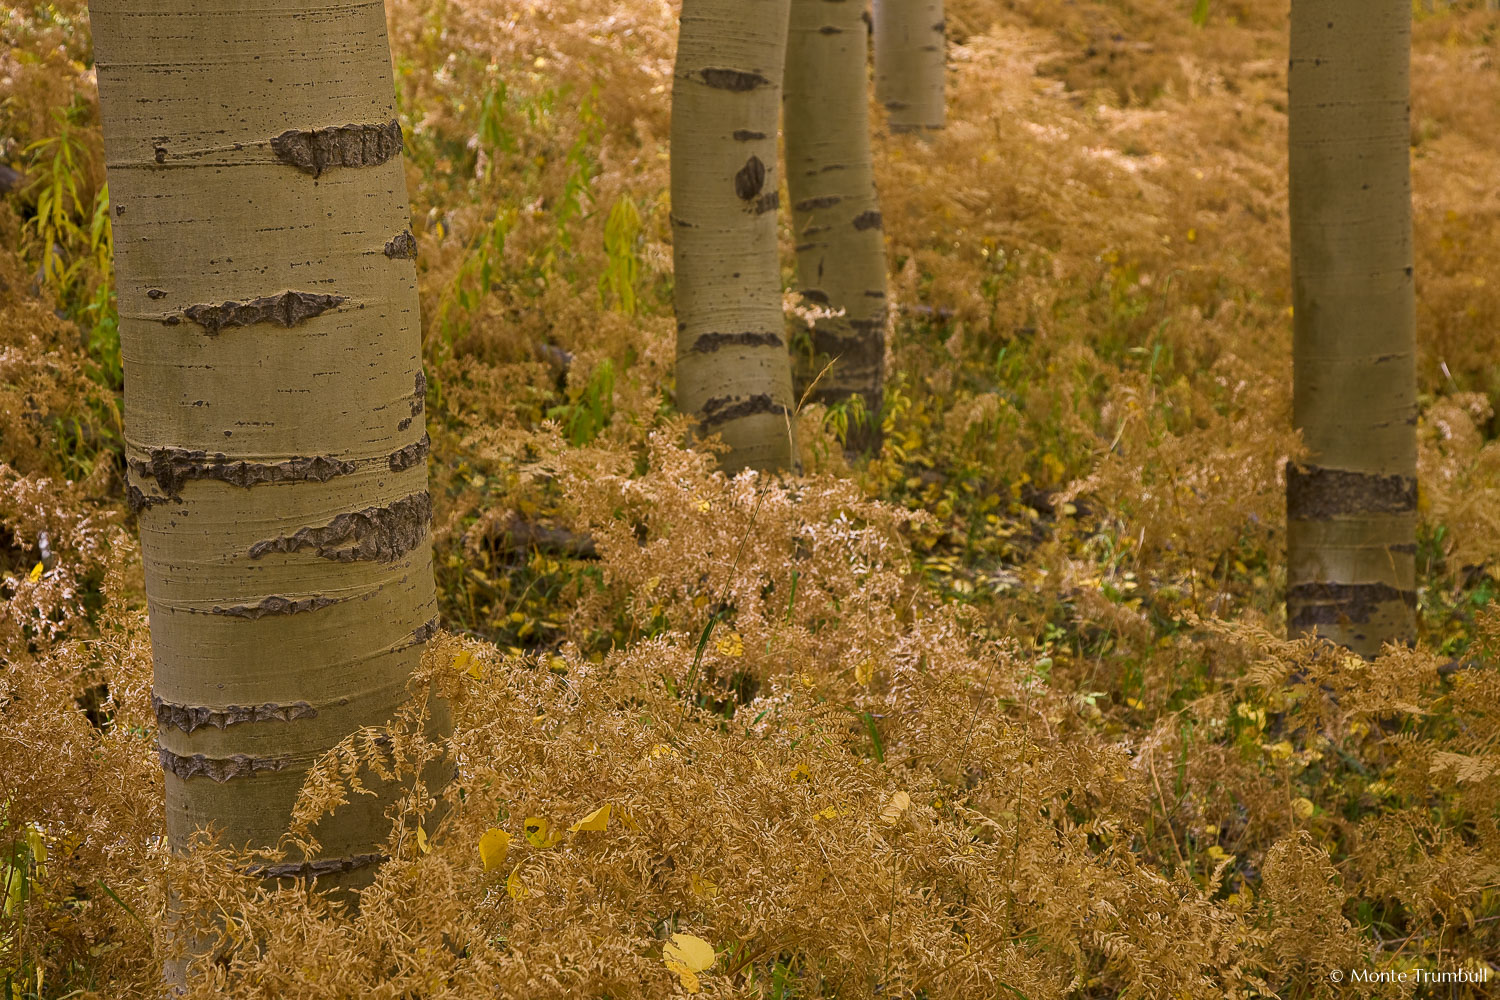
[[315, 869], [940, 26], [413, 453], [767, 203], [286, 309], [732, 79], [220, 769], [815, 295], [314, 150], [825, 201], [1314, 493], [750, 179], [274, 605], [172, 467], [191, 717], [868, 220], [1337, 603], [829, 29], [378, 534], [139, 500], [722, 409], [746, 135], [402, 246], [710, 342]]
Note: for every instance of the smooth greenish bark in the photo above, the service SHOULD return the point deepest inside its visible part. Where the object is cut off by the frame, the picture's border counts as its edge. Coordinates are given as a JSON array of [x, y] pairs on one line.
[[835, 213], [910, 60], [1351, 510], [733, 368], [274, 399]]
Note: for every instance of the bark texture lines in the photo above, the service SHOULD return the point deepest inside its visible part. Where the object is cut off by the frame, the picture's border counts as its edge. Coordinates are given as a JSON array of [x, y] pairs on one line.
[[270, 335], [910, 62], [733, 371], [1351, 509], [835, 212]]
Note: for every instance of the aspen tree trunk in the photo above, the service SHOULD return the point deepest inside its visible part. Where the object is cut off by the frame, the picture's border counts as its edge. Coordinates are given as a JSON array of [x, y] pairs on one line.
[[910, 60], [835, 212], [273, 401], [1351, 511], [733, 367]]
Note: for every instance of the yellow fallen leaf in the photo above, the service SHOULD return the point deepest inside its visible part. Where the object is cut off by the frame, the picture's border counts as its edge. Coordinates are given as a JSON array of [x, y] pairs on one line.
[[422, 840], [513, 886], [36, 573], [732, 644], [702, 886], [689, 949], [895, 807], [1279, 751], [1135, 703], [685, 975], [493, 847], [832, 812], [539, 833], [1303, 807], [594, 822], [801, 773], [465, 663], [864, 671]]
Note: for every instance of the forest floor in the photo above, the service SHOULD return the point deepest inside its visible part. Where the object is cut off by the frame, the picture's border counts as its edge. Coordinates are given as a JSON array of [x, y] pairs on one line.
[[1002, 711]]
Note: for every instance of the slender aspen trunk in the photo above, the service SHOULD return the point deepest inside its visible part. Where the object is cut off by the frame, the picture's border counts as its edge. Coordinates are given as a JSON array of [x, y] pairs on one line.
[[835, 212], [733, 368], [910, 60], [273, 402], [1351, 511]]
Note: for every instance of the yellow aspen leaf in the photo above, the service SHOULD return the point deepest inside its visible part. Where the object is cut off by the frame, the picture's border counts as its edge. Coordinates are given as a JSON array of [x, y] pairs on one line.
[[800, 773], [832, 812], [493, 847], [684, 975], [1135, 703], [595, 822], [1303, 807], [864, 671], [513, 887], [895, 808], [1279, 751], [539, 833], [702, 887], [689, 949], [36, 573], [422, 840], [663, 750], [465, 663], [731, 645]]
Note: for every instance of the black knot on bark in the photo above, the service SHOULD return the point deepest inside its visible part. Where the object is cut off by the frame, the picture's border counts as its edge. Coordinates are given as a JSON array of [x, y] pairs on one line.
[[750, 179]]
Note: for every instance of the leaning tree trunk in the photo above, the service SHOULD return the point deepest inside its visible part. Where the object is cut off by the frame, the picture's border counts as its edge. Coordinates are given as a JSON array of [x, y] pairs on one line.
[[835, 213], [733, 369], [273, 402], [1351, 511], [910, 59]]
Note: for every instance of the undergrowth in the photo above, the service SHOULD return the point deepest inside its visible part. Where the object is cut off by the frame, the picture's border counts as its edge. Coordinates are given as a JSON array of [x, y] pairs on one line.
[[1001, 711]]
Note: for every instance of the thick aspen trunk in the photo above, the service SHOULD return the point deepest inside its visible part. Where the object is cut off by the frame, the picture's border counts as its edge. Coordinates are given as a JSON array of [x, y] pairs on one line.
[[910, 60], [1351, 511], [733, 368], [835, 212], [274, 398]]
